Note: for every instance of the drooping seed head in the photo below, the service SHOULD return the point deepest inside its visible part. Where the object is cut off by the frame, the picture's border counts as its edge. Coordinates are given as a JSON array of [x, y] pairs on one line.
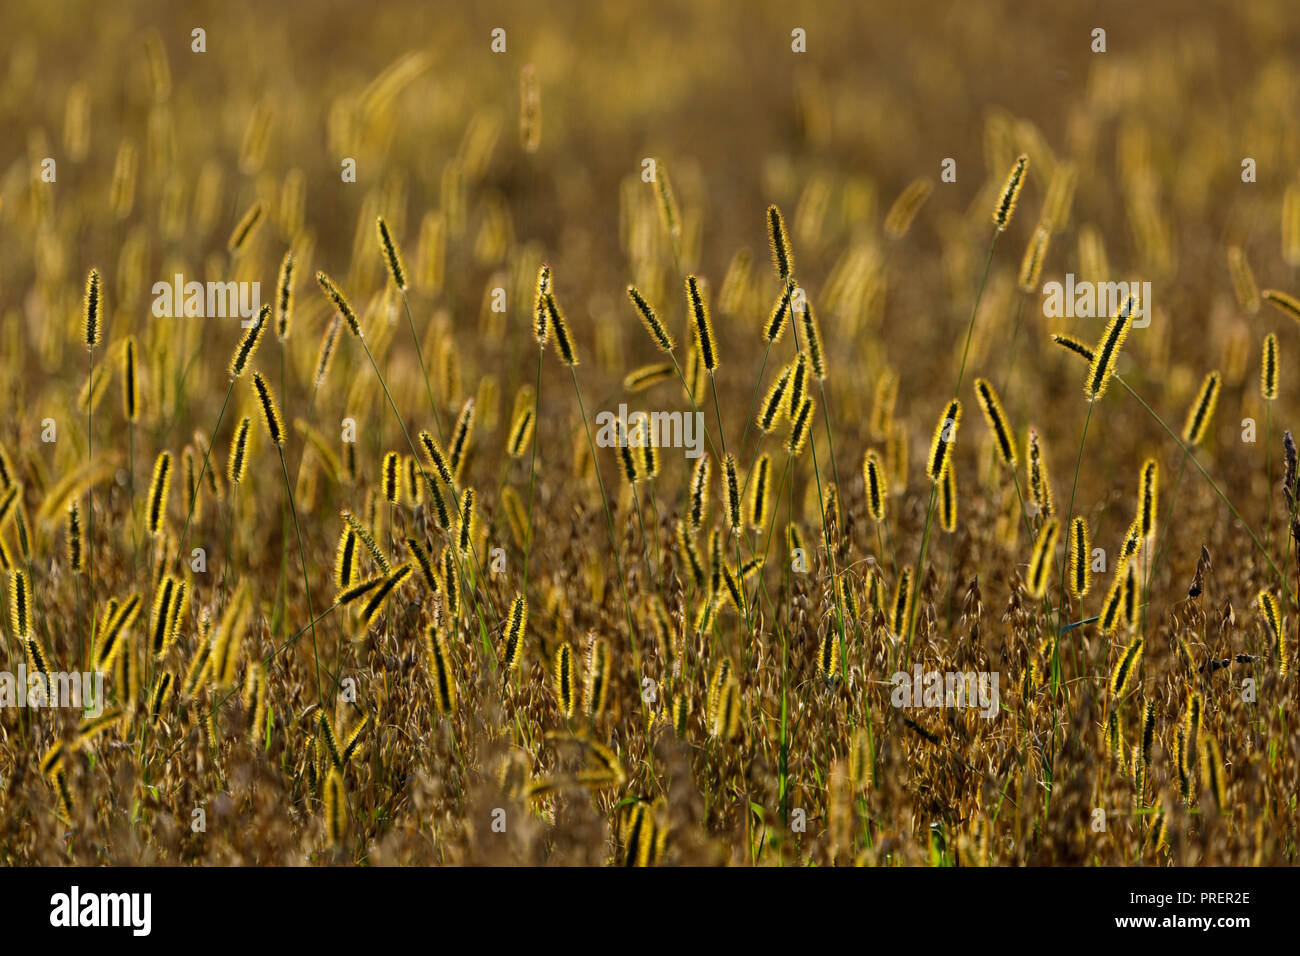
[[335, 295], [904, 209], [392, 256], [270, 412], [650, 319]]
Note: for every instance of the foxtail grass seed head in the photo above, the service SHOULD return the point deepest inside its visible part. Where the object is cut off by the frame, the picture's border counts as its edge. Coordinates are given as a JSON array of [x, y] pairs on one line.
[[595, 689], [945, 435], [1112, 607], [650, 319], [379, 596], [798, 386], [898, 220], [541, 314], [669, 214], [326, 354], [782, 255], [92, 315], [639, 379], [245, 228], [1243, 281], [237, 463], [1132, 540], [1080, 566], [828, 655], [800, 426], [699, 510], [1216, 781], [776, 322], [701, 324], [521, 433], [875, 484], [731, 486], [1106, 354], [335, 807], [437, 458], [626, 458], [20, 603], [773, 402], [392, 256], [1126, 668], [1031, 265], [516, 624], [686, 544], [284, 296], [948, 499], [1268, 368], [760, 481], [1288, 304], [460, 437], [465, 538], [1148, 498], [1202, 410], [341, 304], [649, 465], [1003, 436], [812, 341], [1040, 563], [160, 618], [392, 479], [345, 560], [159, 488], [1272, 615], [901, 606], [563, 340], [248, 343], [1075, 345], [130, 382], [1006, 206], [441, 670], [563, 678], [1040, 485], [270, 413], [75, 542]]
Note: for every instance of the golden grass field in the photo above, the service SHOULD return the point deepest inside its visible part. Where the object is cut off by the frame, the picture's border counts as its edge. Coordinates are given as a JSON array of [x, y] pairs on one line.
[[416, 611]]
